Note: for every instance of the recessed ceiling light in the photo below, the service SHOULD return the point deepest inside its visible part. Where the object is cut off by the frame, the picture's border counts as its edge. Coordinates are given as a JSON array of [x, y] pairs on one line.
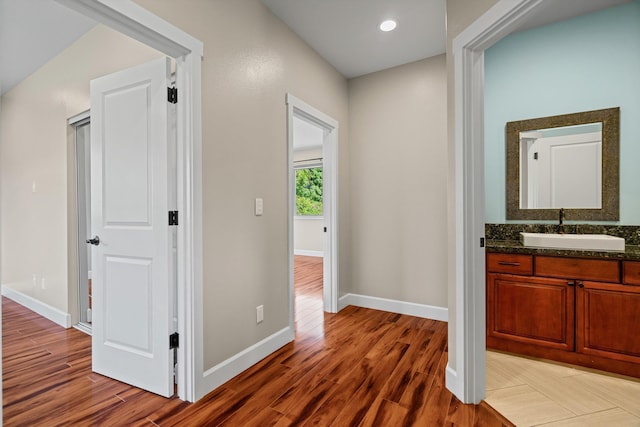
[[388, 25]]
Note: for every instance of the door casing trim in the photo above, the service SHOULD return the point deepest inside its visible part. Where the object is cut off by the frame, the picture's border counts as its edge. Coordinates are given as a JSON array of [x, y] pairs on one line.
[[466, 378]]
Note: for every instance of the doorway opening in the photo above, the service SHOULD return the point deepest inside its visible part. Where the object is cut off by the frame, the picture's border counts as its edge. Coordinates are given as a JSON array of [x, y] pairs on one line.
[[312, 218], [308, 227], [466, 371], [139, 24]]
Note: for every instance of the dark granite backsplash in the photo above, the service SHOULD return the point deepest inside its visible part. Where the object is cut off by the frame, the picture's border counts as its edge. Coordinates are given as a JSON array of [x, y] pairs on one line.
[[631, 233]]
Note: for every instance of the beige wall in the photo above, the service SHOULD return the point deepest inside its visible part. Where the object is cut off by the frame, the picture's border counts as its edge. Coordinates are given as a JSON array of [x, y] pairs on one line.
[[460, 14], [34, 152], [308, 234], [251, 61], [398, 158]]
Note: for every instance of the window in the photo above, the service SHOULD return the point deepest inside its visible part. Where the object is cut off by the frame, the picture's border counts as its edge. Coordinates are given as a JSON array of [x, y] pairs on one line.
[[309, 192]]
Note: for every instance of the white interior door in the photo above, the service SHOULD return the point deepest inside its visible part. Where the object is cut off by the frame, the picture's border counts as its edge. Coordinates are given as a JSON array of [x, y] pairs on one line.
[[129, 210]]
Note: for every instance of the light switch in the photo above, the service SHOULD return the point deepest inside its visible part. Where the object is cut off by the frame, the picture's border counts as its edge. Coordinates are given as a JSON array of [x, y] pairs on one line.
[[259, 206]]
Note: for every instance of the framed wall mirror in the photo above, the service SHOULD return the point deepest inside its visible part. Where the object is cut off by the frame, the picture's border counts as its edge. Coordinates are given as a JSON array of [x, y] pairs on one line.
[[571, 161]]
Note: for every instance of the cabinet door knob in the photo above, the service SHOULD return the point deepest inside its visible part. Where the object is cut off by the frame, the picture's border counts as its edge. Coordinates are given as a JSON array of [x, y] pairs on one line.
[[580, 284]]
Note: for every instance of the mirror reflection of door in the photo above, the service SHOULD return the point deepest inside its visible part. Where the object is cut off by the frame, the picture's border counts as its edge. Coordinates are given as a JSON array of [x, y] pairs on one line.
[[561, 168]]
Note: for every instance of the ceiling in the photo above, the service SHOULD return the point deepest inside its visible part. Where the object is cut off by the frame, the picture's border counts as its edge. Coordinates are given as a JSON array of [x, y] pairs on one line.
[[31, 33], [344, 32]]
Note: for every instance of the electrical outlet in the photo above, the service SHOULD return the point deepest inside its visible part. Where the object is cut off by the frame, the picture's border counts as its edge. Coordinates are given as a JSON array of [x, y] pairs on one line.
[[43, 284], [259, 314], [35, 281]]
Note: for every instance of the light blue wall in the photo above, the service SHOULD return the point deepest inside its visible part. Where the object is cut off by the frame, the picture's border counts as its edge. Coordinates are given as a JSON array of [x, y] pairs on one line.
[[586, 63]]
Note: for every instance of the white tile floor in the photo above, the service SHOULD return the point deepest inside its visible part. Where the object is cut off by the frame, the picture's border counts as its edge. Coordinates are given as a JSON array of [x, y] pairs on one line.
[[536, 393]]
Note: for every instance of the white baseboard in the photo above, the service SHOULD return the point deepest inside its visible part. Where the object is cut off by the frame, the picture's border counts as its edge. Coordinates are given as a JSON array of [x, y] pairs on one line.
[[394, 306], [453, 384], [45, 310], [214, 377], [305, 252]]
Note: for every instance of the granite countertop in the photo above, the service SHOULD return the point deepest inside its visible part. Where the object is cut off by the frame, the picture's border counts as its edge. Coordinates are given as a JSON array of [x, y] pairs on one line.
[[506, 238], [631, 252]]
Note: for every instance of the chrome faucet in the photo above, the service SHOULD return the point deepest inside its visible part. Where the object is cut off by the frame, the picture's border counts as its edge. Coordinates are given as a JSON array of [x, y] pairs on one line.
[[561, 221]]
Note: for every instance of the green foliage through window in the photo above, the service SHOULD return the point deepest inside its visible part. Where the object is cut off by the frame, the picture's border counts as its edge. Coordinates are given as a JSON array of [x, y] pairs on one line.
[[309, 191]]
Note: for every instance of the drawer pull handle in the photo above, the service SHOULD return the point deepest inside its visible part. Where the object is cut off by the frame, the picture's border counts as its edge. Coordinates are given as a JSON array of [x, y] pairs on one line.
[[571, 283], [513, 264]]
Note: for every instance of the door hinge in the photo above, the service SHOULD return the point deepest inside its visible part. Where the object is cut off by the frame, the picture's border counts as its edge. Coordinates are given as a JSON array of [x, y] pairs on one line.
[[482, 242], [174, 341], [173, 217], [172, 95]]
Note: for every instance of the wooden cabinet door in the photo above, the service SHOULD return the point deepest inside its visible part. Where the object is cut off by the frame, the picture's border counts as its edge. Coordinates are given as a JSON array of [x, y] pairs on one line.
[[608, 317], [531, 310]]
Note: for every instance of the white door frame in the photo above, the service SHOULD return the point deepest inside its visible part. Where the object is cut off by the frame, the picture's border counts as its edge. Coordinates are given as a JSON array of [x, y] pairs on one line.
[[81, 287], [466, 379], [138, 23], [298, 108]]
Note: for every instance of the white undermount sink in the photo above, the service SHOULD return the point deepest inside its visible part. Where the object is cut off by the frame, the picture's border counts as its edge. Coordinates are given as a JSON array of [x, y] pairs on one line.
[[585, 242]]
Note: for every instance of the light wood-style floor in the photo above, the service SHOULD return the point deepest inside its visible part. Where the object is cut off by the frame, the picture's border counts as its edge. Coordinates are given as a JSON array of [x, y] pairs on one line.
[[536, 393], [359, 367]]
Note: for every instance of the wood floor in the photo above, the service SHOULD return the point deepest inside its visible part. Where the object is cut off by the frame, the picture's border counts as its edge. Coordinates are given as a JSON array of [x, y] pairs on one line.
[[357, 368]]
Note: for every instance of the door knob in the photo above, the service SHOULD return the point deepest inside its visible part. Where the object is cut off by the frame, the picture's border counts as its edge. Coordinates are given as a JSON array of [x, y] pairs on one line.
[[95, 241]]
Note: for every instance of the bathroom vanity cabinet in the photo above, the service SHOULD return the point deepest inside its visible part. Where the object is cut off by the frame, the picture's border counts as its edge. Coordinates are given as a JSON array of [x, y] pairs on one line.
[[584, 311]]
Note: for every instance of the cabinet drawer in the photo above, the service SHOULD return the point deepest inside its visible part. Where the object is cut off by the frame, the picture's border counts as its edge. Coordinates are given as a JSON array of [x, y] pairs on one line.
[[510, 263], [600, 270], [631, 273]]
